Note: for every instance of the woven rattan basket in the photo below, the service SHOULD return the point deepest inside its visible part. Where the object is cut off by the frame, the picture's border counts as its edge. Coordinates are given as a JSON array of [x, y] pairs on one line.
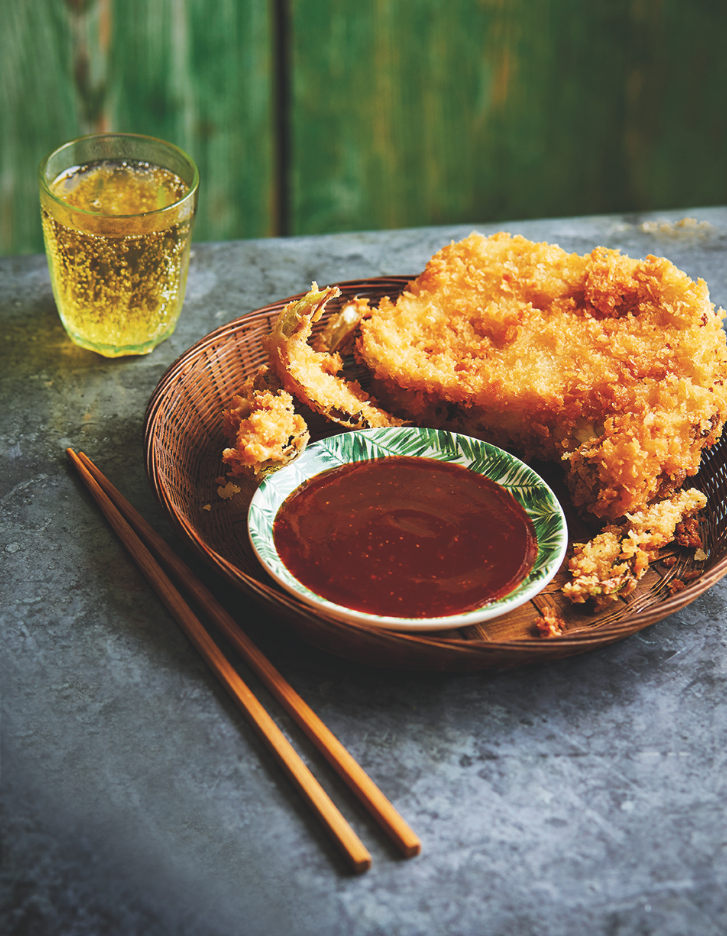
[[183, 446]]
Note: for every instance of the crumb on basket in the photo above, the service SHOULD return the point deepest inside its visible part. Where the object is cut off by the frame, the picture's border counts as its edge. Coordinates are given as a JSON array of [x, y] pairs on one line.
[[550, 624], [228, 491], [687, 532], [676, 585], [700, 555], [207, 507]]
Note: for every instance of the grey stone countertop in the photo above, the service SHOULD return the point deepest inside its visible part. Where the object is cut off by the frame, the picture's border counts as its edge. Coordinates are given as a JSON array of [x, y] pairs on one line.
[[585, 796]]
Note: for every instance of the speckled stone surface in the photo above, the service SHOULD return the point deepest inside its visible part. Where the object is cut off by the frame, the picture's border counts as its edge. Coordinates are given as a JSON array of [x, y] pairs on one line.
[[582, 797]]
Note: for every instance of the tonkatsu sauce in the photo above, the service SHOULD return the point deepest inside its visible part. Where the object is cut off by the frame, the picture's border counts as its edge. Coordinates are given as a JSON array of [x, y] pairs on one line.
[[405, 537]]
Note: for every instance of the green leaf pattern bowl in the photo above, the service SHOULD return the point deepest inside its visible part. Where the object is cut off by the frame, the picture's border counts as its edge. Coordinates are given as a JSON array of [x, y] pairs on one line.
[[527, 487]]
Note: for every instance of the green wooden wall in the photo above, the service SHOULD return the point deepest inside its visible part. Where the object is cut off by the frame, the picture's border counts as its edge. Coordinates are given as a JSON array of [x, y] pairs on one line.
[[309, 116]]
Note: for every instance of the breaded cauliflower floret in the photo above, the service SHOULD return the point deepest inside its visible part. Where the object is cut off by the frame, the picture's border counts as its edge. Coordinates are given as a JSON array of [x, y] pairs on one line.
[[262, 428], [612, 563]]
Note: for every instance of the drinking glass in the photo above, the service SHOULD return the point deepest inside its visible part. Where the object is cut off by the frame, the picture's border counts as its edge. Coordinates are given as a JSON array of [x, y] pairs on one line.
[[117, 212]]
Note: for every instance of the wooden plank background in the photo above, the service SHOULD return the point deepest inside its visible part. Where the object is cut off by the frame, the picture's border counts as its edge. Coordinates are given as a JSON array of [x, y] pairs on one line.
[[308, 116]]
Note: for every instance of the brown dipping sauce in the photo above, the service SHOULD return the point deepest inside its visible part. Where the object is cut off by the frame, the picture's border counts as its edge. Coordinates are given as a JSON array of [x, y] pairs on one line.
[[405, 537]]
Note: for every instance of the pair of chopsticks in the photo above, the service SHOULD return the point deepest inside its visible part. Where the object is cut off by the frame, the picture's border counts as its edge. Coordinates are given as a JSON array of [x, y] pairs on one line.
[[141, 541]]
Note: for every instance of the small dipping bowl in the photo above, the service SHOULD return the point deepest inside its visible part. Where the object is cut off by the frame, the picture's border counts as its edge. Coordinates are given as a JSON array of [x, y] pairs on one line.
[[525, 485]]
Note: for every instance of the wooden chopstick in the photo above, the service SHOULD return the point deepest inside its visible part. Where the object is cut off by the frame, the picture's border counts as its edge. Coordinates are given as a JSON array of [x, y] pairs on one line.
[[327, 743], [342, 833]]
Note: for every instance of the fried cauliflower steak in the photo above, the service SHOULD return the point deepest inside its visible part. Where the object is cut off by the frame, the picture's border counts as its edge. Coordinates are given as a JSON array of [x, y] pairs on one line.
[[614, 366]]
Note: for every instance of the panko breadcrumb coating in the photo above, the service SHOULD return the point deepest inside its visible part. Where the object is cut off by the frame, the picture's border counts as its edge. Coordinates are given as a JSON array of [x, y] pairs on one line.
[[611, 564], [262, 428], [615, 366], [312, 376]]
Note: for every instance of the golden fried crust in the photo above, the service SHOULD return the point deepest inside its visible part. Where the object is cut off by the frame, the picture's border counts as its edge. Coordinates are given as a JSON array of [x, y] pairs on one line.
[[262, 428], [616, 365], [310, 375], [611, 564]]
